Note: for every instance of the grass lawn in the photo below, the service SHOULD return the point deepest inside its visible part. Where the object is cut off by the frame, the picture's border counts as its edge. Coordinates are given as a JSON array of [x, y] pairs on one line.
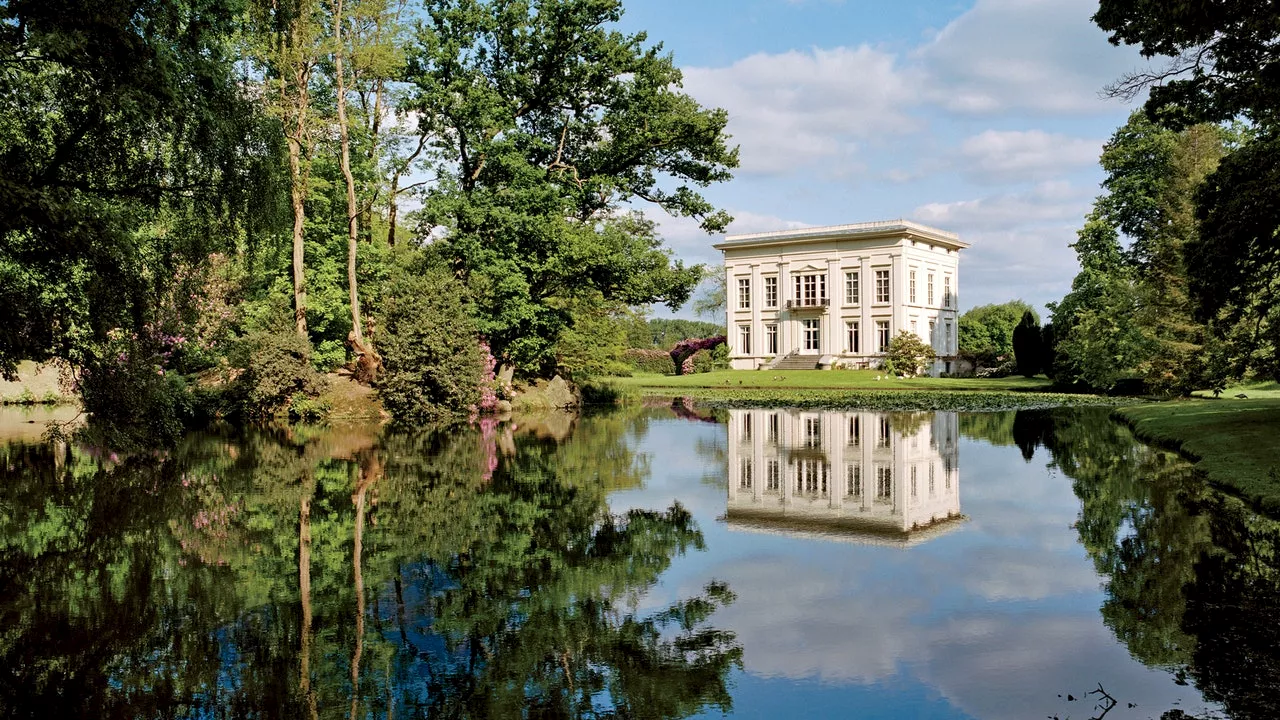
[[827, 380], [1236, 443]]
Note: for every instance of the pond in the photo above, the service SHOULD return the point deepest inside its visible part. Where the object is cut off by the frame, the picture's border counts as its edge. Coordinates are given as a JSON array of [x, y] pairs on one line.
[[666, 561]]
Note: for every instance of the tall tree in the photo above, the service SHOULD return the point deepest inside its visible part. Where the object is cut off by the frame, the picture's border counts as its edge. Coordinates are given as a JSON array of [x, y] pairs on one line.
[[290, 42], [986, 331], [545, 124]]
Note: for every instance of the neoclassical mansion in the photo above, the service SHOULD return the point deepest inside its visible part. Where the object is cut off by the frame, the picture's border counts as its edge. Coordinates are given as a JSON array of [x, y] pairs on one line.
[[834, 296]]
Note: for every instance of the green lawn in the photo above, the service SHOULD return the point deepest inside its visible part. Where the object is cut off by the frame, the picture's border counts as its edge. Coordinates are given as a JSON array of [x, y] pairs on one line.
[[1236, 443], [827, 380]]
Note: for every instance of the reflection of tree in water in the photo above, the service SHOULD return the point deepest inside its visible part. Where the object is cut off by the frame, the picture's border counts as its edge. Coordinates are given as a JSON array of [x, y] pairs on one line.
[[178, 587], [1193, 576]]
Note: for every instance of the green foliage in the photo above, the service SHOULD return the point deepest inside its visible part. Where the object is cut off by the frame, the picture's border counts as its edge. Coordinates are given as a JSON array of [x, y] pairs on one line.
[[593, 344], [534, 172], [128, 147], [908, 355], [1027, 350], [650, 361], [432, 364], [666, 332], [986, 331], [132, 401], [275, 375]]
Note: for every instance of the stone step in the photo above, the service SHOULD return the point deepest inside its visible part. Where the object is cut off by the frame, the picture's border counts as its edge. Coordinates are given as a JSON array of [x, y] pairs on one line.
[[798, 362]]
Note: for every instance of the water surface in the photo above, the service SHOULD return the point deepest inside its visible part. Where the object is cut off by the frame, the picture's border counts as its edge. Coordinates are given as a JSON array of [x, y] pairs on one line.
[[660, 562]]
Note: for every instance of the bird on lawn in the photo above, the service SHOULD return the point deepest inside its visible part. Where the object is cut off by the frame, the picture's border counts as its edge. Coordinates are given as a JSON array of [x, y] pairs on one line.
[[1242, 396]]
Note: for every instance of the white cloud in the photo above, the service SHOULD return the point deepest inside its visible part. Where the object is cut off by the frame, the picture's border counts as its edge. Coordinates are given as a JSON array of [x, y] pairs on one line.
[[1045, 56], [790, 109], [1024, 155]]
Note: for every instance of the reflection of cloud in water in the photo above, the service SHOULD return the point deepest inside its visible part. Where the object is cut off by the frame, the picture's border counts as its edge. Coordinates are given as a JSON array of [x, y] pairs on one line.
[[1004, 573]]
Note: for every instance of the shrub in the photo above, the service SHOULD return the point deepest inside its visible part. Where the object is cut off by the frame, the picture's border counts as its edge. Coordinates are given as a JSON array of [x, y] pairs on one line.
[[908, 354], [272, 369], [431, 360], [132, 401], [654, 361]]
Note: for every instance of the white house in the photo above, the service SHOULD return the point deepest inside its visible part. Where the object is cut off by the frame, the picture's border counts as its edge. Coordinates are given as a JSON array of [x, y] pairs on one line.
[[834, 296], [862, 476]]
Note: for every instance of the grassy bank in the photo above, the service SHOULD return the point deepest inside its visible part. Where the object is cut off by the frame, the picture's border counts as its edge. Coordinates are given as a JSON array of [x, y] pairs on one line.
[[841, 389], [828, 380], [1233, 441]]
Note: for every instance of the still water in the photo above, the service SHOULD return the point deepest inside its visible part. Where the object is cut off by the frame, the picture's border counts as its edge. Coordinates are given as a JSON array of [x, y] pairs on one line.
[[660, 562]]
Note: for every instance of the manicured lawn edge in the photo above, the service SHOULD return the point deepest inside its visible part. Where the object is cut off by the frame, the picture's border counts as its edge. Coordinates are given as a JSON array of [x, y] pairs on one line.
[[1235, 444], [890, 399]]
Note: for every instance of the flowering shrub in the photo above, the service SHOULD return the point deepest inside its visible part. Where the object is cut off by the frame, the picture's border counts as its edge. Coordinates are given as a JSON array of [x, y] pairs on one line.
[[128, 392], [682, 353]]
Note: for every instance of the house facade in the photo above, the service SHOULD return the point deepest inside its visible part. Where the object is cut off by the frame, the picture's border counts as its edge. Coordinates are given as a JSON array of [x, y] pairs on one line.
[[835, 296], [863, 476]]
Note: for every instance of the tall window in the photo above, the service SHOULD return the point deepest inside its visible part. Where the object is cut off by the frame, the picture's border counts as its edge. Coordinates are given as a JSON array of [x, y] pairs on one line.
[[812, 340], [913, 482], [947, 348], [852, 326], [811, 289], [946, 291], [771, 292], [851, 290], [812, 478], [744, 336], [886, 432], [933, 325], [744, 474], [855, 430], [771, 339], [882, 334], [913, 287], [746, 427], [813, 432], [773, 429], [853, 480], [744, 293], [773, 476], [884, 483], [930, 289], [882, 286]]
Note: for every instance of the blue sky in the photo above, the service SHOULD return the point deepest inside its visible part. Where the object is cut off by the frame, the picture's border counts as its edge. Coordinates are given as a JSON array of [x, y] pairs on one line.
[[984, 118]]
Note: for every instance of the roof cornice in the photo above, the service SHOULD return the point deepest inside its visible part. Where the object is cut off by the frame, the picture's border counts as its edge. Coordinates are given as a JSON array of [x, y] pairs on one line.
[[867, 230]]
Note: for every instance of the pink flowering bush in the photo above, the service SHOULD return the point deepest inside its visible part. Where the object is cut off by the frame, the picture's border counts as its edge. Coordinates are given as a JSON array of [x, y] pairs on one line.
[[682, 353]]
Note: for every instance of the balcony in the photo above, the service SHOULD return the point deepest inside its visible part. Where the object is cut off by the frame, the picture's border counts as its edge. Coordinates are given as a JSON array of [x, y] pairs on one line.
[[818, 304]]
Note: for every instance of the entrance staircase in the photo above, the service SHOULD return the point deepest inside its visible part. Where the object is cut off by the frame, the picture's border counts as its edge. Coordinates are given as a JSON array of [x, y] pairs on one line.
[[796, 361]]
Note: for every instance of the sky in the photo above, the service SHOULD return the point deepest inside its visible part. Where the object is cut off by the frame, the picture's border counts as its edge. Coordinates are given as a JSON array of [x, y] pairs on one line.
[[983, 118]]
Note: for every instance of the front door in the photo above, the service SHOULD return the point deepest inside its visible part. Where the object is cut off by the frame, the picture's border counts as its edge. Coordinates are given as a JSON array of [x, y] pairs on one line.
[[811, 337]]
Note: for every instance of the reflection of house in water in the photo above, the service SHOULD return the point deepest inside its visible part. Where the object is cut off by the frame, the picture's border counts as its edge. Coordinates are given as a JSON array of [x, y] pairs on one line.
[[887, 478]]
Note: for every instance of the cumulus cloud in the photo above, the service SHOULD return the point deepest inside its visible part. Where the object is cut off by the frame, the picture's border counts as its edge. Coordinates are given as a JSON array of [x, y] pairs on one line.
[[787, 110], [1040, 55], [1024, 154]]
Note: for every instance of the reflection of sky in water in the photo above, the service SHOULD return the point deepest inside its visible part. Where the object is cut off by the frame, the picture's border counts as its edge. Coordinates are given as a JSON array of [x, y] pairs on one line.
[[993, 619]]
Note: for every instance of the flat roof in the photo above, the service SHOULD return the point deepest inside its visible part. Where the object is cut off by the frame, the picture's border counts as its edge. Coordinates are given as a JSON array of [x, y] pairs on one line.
[[834, 232]]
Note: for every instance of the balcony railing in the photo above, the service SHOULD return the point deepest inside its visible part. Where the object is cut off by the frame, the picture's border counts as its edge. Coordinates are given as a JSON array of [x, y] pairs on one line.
[[808, 303]]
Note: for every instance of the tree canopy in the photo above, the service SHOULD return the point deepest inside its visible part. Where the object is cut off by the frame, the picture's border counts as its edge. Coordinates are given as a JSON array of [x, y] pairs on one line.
[[544, 123]]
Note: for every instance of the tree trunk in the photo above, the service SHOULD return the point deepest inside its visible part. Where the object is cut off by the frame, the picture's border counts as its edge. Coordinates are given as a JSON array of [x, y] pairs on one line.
[[297, 197], [391, 210], [366, 359]]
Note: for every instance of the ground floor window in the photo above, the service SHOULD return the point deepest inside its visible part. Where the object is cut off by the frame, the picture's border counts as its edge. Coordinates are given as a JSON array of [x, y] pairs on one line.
[[771, 339], [882, 334], [812, 340], [853, 335], [744, 336], [884, 484]]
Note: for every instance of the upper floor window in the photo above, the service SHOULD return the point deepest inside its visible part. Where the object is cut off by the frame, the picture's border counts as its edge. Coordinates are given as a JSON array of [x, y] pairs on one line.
[[851, 290], [882, 286], [912, 288], [811, 289], [771, 292], [930, 289], [744, 293], [947, 300]]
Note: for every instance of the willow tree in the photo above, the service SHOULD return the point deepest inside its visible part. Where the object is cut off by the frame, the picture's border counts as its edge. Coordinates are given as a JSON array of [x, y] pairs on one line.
[[543, 125]]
